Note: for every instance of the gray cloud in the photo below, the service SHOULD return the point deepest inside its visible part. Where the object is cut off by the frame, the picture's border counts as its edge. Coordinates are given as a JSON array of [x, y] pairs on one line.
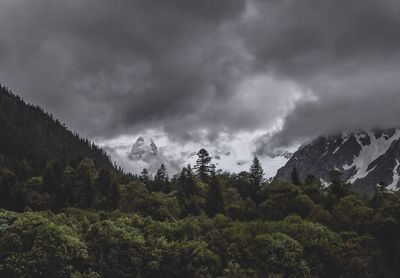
[[198, 68], [346, 55]]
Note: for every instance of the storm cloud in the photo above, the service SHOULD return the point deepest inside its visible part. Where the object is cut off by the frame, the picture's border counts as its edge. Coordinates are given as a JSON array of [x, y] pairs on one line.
[[196, 69]]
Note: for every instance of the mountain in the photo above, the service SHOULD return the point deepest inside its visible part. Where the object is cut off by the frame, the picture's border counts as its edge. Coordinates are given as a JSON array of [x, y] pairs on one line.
[[28, 133], [365, 158], [144, 150]]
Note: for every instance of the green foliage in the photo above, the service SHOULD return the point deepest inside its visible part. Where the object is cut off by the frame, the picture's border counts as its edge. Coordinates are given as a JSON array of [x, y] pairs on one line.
[[215, 202], [34, 246], [116, 248], [278, 253]]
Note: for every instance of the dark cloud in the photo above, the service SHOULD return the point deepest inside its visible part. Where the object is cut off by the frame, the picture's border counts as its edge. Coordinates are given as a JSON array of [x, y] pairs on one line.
[[107, 67], [196, 69], [345, 54]]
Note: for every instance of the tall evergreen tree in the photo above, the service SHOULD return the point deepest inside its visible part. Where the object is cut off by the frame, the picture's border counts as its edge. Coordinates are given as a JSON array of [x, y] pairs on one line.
[[85, 183], [186, 182], [256, 177], [215, 203], [190, 183], [202, 165], [256, 172], [161, 180], [145, 177]]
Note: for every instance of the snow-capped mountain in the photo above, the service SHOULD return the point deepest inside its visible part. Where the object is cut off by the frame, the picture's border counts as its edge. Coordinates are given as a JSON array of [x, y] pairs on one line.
[[152, 151], [364, 158], [144, 150]]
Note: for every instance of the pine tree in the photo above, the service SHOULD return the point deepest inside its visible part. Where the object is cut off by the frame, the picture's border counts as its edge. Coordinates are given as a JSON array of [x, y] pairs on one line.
[[215, 203], [145, 177], [202, 165], [160, 182], [86, 172], [295, 177], [256, 177], [186, 183], [256, 172], [181, 185], [190, 183]]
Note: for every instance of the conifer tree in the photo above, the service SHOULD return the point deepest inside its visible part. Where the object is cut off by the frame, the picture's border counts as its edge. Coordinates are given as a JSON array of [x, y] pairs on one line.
[[202, 165], [190, 183], [186, 183], [144, 176], [256, 177], [160, 182], [215, 203], [86, 172], [256, 172]]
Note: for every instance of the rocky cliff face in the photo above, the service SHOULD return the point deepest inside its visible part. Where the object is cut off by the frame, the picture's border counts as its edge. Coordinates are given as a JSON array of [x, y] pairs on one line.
[[364, 158]]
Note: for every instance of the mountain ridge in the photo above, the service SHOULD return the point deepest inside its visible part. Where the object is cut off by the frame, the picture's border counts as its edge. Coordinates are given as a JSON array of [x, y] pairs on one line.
[[32, 134], [364, 158]]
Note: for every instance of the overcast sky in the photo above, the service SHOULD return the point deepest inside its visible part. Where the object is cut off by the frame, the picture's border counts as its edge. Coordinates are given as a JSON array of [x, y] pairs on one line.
[[194, 70]]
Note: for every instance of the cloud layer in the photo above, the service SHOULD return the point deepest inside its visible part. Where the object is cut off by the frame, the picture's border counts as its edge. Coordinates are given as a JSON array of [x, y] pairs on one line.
[[197, 69]]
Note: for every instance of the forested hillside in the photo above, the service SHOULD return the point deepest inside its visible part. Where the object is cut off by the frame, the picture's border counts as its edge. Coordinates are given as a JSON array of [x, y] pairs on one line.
[[67, 212], [29, 133]]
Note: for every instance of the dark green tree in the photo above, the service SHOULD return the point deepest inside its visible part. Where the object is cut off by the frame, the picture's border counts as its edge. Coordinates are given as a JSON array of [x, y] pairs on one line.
[[145, 176], [161, 180], [215, 203], [23, 170], [85, 176], [8, 180], [203, 167], [114, 197], [189, 181], [53, 185], [103, 182], [256, 176], [256, 172]]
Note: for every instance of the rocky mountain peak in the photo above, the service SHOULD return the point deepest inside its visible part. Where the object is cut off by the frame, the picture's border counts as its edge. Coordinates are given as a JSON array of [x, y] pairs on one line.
[[143, 149], [365, 158]]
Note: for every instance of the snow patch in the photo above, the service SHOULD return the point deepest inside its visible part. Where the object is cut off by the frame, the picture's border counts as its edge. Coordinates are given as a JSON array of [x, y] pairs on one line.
[[337, 149], [396, 177], [369, 153], [324, 183], [345, 138]]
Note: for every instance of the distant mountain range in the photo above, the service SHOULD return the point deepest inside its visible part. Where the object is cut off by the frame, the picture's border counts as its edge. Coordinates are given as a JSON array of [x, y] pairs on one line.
[[365, 158], [145, 153]]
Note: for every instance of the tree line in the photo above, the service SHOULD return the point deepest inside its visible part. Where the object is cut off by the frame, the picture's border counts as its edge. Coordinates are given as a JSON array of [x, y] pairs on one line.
[[81, 220]]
